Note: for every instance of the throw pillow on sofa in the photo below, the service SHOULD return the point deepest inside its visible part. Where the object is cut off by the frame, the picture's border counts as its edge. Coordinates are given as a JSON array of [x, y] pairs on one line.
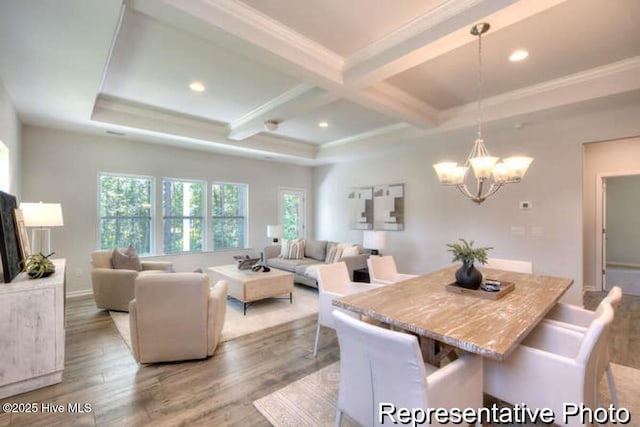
[[292, 249], [127, 260], [339, 251]]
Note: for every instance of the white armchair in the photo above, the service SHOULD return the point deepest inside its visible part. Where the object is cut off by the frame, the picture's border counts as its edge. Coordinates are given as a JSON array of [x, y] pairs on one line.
[[553, 365], [510, 265], [113, 288], [379, 365], [579, 319], [176, 317], [333, 282], [383, 271]]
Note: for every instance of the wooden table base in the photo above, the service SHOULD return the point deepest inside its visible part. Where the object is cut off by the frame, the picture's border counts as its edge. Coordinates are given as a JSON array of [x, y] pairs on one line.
[[434, 351]]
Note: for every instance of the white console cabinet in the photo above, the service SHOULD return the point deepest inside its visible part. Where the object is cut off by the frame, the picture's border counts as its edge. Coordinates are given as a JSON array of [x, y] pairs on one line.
[[32, 332]]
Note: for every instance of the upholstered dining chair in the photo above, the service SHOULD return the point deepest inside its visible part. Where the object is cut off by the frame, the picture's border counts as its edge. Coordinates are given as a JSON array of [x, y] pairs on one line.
[[176, 317], [579, 319], [383, 271], [510, 265], [379, 365], [553, 365], [333, 282]]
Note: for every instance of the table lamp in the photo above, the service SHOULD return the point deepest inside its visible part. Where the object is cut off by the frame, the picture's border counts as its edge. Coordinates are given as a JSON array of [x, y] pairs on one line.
[[274, 232], [374, 240], [41, 216]]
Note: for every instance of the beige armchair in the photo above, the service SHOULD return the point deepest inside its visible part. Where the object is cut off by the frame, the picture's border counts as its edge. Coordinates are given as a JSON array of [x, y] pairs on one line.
[[176, 317], [113, 289]]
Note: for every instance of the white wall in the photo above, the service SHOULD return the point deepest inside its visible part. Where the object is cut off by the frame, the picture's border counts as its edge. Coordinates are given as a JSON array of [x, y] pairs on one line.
[[602, 158], [63, 167], [10, 128], [623, 220], [436, 215]]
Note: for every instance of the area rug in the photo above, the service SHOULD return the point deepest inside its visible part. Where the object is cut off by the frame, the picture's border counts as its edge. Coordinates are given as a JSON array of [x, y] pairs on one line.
[[311, 401], [260, 315]]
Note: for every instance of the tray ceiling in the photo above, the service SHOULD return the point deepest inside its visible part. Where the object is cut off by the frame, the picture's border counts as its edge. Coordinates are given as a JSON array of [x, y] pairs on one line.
[[369, 68]]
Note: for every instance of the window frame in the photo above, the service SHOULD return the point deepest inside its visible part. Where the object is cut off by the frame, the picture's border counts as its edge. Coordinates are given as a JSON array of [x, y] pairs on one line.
[[152, 209], [245, 244], [203, 183]]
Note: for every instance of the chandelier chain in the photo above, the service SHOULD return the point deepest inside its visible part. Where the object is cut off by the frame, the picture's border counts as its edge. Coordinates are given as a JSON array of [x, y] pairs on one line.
[[479, 118]]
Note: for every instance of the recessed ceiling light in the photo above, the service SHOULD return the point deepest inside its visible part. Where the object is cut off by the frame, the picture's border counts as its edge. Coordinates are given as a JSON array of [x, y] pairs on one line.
[[518, 55], [323, 124], [196, 86]]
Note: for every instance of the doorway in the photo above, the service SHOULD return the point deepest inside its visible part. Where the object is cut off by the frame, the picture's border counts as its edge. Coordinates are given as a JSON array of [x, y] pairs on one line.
[[291, 211], [619, 202]]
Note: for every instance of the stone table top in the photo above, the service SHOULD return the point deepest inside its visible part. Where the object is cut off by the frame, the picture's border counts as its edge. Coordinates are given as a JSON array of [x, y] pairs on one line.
[[486, 327]]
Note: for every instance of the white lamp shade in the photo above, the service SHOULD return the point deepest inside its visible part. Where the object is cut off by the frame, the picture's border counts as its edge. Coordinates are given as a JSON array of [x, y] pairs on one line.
[[449, 173], [482, 166], [274, 231], [517, 167], [42, 214], [374, 239]]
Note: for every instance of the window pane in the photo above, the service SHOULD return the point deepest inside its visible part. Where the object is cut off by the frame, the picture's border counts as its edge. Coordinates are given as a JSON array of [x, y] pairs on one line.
[[229, 222], [183, 215], [125, 212], [292, 219]]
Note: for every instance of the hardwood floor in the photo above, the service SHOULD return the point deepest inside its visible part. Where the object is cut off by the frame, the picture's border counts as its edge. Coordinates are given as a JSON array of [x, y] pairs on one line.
[[219, 391], [625, 336]]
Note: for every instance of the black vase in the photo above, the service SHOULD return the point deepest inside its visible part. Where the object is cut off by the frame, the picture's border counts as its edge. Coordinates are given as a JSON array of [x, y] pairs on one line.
[[468, 276]]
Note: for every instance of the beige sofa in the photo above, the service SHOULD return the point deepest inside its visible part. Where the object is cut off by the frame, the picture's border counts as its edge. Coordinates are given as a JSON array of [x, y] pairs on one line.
[[176, 317], [315, 253], [113, 289]]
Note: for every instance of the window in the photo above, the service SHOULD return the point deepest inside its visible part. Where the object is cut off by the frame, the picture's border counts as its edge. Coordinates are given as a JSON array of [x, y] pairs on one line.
[[292, 207], [229, 215], [125, 209], [182, 215]]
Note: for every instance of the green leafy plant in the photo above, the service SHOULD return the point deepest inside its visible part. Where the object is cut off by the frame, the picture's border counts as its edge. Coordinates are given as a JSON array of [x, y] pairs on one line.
[[39, 265], [466, 253]]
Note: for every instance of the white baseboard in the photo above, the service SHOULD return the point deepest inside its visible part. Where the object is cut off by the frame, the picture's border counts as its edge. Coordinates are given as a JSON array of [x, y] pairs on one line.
[[590, 289], [79, 294]]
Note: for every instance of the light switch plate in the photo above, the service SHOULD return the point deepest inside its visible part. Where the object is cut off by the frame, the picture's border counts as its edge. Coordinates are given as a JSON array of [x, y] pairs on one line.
[[525, 205], [517, 230]]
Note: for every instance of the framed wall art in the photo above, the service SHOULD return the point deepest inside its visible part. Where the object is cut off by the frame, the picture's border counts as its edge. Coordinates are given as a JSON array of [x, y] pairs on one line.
[[361, 208], [388, 207]]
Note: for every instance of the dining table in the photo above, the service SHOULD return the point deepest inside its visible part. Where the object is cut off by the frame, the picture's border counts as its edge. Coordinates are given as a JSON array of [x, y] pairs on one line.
[[445, 320]]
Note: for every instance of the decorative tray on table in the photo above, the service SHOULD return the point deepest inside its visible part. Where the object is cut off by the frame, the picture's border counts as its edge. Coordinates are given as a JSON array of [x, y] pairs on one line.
[[501, 289]]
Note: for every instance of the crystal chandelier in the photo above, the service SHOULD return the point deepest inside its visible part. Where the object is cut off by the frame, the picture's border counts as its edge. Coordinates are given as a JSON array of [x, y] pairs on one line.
[[485, 166]]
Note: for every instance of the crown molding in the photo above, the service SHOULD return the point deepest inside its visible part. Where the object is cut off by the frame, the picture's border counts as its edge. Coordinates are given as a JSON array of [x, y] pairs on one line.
[[365, 135], [248, 24], [388, 99], [170, 124], [442, 30], [412, 29], [589, 80]]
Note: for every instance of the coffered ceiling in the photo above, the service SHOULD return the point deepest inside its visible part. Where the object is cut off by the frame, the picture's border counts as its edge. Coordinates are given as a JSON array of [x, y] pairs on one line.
[[372, 70]]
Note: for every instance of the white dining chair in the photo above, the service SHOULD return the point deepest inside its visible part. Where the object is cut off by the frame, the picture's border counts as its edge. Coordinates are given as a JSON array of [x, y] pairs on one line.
[[579, 319], [383, 271], [510, 265], [552, 366], [379, 365], [333, 282]]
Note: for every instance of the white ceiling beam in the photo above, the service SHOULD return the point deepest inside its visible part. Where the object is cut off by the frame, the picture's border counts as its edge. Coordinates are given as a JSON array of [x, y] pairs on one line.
[[296, 101], [434, 34], [610, 79], [303, 57], [123, 113], [391, 101]]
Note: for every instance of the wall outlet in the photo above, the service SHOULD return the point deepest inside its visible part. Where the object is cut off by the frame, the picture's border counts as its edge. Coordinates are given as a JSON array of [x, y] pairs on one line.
[[525, 205]]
